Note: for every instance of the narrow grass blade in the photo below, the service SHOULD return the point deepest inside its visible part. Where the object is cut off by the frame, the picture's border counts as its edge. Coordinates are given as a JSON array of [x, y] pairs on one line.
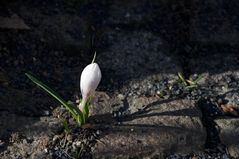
[[200, 77], [77, 111], [71, 109], [191, 82], [191, 86], [66, 127], [182, 79], [86, 111]]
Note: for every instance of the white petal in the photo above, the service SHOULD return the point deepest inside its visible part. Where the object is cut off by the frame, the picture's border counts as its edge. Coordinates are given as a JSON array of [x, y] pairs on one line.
[[90, 79]]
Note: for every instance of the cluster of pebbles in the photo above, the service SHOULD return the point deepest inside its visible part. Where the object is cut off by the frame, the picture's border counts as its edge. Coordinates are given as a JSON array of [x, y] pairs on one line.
[[76, 144]]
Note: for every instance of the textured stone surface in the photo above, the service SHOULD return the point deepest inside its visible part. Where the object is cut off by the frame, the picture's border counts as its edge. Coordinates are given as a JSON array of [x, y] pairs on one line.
[[134, 55], [30, 136], [215, 22], [229, 132], [214, 61], [152, 128]]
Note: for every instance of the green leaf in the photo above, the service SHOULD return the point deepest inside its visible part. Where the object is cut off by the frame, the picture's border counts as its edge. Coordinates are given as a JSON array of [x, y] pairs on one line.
[[66, 127], [200, 77], [79, 116], [86, 111], [182, 79], [86, 108], [191, 86], [69, 107], [191, 82], [79, 119]]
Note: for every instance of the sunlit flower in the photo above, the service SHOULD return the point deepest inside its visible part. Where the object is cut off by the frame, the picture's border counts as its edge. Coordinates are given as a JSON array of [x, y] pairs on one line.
[[90, 79]]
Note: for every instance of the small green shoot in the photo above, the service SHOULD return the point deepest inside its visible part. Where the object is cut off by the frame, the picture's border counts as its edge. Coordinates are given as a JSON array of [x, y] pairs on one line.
[[182, 79], [66, 127], [189, 83]]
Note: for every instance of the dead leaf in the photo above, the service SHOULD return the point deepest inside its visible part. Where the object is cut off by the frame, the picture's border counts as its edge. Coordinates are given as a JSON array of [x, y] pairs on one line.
[[229, 109], [14, 22]]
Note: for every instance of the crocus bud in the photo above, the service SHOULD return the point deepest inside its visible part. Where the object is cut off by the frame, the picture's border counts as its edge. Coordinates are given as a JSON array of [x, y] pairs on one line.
[[90, 79]]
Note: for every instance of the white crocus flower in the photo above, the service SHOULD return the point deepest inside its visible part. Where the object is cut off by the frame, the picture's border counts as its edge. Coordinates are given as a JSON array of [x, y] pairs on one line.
[[90, 79]]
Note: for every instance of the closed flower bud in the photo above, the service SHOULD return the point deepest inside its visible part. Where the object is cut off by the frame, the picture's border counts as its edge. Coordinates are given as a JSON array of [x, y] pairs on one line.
[[90, 79]]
